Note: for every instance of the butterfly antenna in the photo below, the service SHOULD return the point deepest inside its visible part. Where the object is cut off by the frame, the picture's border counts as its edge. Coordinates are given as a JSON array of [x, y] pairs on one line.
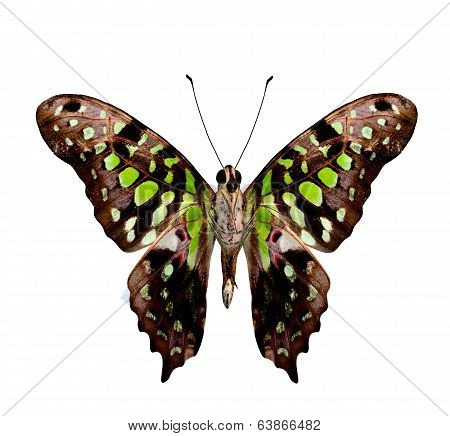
[[206, 130], [256, 120]]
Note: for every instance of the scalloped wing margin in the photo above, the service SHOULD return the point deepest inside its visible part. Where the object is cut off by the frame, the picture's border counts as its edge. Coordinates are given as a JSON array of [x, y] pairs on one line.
[[168, 290], [289, 291]]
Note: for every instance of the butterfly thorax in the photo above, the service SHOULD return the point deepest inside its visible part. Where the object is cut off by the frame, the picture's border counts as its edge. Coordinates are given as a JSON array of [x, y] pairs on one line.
[[228, 224]]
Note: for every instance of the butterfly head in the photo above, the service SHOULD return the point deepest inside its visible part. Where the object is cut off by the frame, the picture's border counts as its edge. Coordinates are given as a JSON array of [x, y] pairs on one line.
[[229, 178]]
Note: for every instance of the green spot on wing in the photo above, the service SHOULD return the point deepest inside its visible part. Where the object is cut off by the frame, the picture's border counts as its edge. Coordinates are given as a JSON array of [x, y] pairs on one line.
[[289, 198], [263, 229], [300, 149], [280, 327], [128, 176], [311, 192], [328, 177], [356, 147], [344, 161], [190, 181], [267, 183], [263, 215], [169, 161], [150, 315], [313, 139], [167, 271], [324, 149], [338, 127], [194, 213], [118, 127], [144, 292], [194, 228], [175, 350], [304, 166], [131, 149], [269, 199], [290, 273], [169, 177], [307, 238], [115, 214], [188, 198], [287, 163], [351, 194], [144, 192], [159, 215], [287, 178], [312, 293], [195, 221], [262, 222], [144, 138], [367, 132], [298, 216], [156, 148], [193, 247], [149, 237], [340, 214], [88, 133], [264, 252], [99, 148], [283, 351], [111, 161], [178, 326]]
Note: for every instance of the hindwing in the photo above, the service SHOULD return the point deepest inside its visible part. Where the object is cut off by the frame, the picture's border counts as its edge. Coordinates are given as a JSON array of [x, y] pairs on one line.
[[289, 291], [168, 289]]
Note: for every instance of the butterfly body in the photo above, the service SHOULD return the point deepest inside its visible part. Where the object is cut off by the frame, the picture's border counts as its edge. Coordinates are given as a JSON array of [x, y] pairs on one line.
[[146, 194], [229, 224]]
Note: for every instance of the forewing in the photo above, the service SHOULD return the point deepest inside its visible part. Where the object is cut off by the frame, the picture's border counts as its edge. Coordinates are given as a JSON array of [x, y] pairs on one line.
[[319, 182], [168, 289], [289, 289], [137, 182]]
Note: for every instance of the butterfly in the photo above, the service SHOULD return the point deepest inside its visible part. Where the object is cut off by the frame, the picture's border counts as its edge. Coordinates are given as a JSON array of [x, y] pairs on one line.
[[146, 194]]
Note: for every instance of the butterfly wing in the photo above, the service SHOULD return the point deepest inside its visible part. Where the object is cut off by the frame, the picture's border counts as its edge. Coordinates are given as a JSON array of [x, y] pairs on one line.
[[137, 181], [311, 194], [168, 289], [289, 289], [319, 182], [145, 193]]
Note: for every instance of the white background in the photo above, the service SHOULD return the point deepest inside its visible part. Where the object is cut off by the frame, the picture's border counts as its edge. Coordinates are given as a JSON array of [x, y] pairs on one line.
[[61, 277]]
